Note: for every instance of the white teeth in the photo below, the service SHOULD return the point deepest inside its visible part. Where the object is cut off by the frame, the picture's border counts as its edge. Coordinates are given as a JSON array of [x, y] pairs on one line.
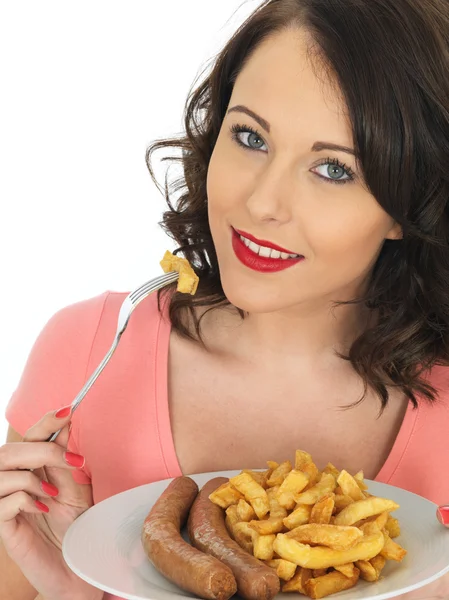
[[266, 252], [254, 247]]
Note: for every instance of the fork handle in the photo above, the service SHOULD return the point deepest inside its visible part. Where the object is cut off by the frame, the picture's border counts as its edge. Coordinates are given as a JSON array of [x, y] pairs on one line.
[[89, 383]]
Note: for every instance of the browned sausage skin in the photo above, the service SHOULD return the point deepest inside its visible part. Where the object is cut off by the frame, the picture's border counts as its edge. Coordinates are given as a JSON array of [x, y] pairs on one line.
[[187, 567], [208, 532]]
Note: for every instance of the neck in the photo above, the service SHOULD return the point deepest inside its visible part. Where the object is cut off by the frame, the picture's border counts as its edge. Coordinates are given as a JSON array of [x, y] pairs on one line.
[[309, 333]]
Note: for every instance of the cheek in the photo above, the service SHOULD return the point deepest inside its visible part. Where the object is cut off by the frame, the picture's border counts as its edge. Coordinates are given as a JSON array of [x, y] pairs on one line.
[[228, 183], [354, 236]]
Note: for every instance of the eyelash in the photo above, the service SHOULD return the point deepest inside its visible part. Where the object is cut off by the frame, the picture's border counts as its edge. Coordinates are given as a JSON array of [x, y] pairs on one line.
[[237, 128]]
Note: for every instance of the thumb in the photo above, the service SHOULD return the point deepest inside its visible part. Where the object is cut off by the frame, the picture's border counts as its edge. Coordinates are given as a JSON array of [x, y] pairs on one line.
[[443, 515], [49, 424]]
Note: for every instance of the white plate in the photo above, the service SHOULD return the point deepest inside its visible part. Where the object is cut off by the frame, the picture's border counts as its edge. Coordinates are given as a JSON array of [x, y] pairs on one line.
[[103, 546]]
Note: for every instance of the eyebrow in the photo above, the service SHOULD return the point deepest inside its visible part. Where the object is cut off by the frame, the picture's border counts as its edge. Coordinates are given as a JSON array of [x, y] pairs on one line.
[[317, 146], [244, 109]]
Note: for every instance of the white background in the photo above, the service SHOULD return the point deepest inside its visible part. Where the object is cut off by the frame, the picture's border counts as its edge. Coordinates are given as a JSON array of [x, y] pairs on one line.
[[85, 87]]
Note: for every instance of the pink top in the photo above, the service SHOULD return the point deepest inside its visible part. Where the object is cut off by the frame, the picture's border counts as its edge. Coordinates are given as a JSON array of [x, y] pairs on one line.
[[123, 426]]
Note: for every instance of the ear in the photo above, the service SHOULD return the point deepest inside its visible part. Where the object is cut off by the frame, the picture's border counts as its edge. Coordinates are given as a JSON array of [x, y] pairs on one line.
[[395, 233]]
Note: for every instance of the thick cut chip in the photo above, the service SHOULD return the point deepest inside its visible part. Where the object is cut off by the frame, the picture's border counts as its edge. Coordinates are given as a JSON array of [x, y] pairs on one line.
[[370, 528], [304, 462], [260, 476], [363, 509], [300, 516], [378, 563], [342, 502], [188, 279], [319, 557], [279, 473], [245, 511], [349, 486], [253, 492], [360, 478], [323, 509], [263, 546], [294, 483], [332, 470], [392, 550], [332, 536], [267, 526], [325, 486], [243, 535], [232, 517], [225, 495], [367, 570], [319, 572], [334, 582], [298, 582], [276, 510], [347, 569], [393, 528], [285, 570]]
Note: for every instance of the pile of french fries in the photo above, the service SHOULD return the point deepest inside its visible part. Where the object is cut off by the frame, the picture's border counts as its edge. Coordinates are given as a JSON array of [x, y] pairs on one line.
[[320, 530]]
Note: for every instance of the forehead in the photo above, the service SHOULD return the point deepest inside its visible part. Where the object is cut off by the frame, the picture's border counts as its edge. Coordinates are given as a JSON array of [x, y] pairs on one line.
[[286, 83]]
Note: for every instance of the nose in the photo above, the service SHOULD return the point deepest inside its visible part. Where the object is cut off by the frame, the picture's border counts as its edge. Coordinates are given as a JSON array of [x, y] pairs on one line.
[[273, 194]]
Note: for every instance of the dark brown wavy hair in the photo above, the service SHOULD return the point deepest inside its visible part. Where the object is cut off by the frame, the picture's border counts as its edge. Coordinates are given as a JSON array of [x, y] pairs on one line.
[[391, 60]]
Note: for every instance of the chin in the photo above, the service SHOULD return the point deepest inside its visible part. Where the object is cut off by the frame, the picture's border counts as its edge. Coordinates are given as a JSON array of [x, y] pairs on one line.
[[251, 298]]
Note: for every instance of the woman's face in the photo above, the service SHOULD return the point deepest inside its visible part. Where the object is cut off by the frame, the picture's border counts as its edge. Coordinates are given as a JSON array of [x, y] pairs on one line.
[[288, 185]]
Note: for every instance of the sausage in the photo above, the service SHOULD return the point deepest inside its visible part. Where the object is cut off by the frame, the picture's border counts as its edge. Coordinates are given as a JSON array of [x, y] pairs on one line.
[[207, 531], [185, 566]]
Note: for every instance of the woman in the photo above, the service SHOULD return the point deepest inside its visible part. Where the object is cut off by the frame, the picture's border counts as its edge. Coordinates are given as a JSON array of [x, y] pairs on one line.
[[315, 206]]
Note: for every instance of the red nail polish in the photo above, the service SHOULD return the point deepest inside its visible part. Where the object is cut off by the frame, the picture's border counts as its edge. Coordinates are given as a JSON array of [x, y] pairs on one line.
[[443, 515], [49, 489], [74, 460], [64, 412], [41, 506]]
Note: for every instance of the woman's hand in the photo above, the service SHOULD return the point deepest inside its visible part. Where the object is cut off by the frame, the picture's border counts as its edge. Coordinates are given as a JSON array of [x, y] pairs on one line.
[[36, 508], [439, 589]]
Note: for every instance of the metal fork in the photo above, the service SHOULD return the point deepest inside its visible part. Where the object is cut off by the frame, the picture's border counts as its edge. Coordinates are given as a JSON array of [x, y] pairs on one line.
[[129, 304]]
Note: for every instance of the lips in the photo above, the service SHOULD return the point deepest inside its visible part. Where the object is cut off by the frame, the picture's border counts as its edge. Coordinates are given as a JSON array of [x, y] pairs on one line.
[[264, 242], [259, 263]]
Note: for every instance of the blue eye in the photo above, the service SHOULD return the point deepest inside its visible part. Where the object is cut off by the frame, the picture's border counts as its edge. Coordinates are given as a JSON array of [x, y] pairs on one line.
[[253, 139], [333, 171]]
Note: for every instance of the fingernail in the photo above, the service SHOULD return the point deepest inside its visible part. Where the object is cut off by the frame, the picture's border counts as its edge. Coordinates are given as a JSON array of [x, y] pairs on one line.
[[443, 515], [41, 506], [49, 489], [74, 460], [64, 412]]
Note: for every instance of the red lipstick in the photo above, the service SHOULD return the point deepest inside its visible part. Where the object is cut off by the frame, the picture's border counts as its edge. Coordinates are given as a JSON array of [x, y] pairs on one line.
[[259, 263], [264, 242]]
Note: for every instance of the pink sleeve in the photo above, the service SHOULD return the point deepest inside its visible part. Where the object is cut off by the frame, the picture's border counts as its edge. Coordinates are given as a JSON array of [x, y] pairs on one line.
[[56, 369]]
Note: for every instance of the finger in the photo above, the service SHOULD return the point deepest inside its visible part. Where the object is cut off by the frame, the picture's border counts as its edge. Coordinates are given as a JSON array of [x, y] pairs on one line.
[[32, 455], [25, 481], [16, 503], [49, 424], [443, 515]]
